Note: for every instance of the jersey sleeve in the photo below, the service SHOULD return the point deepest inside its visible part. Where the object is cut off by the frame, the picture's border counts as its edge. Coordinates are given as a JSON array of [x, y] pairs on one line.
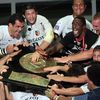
[[58, 27], [3, 51], [85, 88], [48, 30]]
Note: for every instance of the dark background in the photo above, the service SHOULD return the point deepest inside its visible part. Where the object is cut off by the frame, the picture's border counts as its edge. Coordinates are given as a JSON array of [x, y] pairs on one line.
[[52, 10]]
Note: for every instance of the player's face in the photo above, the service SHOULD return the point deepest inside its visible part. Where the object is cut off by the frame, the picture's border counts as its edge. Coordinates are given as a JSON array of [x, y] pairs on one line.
[[16, 29], [77, 27], [31, 15], [96, 56], [96, 25], [78, 7]]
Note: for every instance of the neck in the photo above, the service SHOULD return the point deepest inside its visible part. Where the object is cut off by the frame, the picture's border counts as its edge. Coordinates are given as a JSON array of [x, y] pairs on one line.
[[9, 31], [80, 37]]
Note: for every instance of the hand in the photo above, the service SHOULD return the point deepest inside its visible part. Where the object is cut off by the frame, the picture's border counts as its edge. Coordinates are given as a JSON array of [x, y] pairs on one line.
[[35, 57], [59, 91], [25, 44], [1, 77], [22, 44], [55, 77], [50, 93], [9, 56], [62, 59], [11, 48], [53, 69], [54, 87], [14, 53], [3, 69], [41, 51]]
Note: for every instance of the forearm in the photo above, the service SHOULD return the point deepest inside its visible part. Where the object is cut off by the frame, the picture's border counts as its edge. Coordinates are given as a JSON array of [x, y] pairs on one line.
[[4, 59], [53, 49], [49, 36], [81, 56], [69, 91], [8, 94], [64, 68], [44, 45], [47, 39], [2, 93], [74, 79]]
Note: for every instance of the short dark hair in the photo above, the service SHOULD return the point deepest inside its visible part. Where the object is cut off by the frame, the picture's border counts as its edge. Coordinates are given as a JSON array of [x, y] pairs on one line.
[[29, 6], [82, 19], [83, 1], [93, 73], [97, 48], [15, 17], [97, 16]]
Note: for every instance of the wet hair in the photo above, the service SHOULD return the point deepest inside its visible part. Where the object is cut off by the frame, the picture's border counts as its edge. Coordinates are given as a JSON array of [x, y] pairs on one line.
[[97, 48], [83, 1], [97, 15], [82, 19], [29, 6], [14, 17], [93, 73]]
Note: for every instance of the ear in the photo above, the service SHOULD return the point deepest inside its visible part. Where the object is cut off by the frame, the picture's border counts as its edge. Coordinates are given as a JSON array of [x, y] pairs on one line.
[[9, 24], [73, 7]]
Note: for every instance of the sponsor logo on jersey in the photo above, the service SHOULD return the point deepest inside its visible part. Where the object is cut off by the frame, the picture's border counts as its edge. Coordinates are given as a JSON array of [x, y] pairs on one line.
[[37, 33], [56, 27]]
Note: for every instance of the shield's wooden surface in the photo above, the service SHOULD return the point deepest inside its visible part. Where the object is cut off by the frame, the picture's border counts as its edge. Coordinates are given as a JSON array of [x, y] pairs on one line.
[[25, 62], [29, 79]]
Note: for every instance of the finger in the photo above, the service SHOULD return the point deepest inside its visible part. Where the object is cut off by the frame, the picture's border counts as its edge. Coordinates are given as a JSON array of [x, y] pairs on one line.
[[1, 77], [4, 70], [52, 72], [5, 67], [16, 48], [49, 86]]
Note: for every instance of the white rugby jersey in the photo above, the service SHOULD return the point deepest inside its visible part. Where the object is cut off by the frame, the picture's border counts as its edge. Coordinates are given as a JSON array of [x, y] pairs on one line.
[[64, 25], [6, 39], [28, 96], [36, 33]]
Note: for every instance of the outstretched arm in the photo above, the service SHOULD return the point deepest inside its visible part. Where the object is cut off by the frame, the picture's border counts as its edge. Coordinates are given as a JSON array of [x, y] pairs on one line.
[[49, 51], [76, 57], [54, 69], [73, 91], [71, 79]]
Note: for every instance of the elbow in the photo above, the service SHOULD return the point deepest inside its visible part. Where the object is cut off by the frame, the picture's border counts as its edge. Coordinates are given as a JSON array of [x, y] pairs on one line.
[[87, 54]]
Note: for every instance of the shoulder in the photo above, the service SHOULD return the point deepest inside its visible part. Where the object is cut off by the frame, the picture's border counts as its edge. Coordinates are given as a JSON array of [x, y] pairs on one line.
[[3, 26], [40, 17], [4, 29], [69, 36], [89, 25], [65, 18], [88, 32]]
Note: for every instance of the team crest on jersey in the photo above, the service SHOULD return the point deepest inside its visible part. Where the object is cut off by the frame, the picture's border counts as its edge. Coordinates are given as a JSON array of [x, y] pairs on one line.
[[57, 27], [37, 33]]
